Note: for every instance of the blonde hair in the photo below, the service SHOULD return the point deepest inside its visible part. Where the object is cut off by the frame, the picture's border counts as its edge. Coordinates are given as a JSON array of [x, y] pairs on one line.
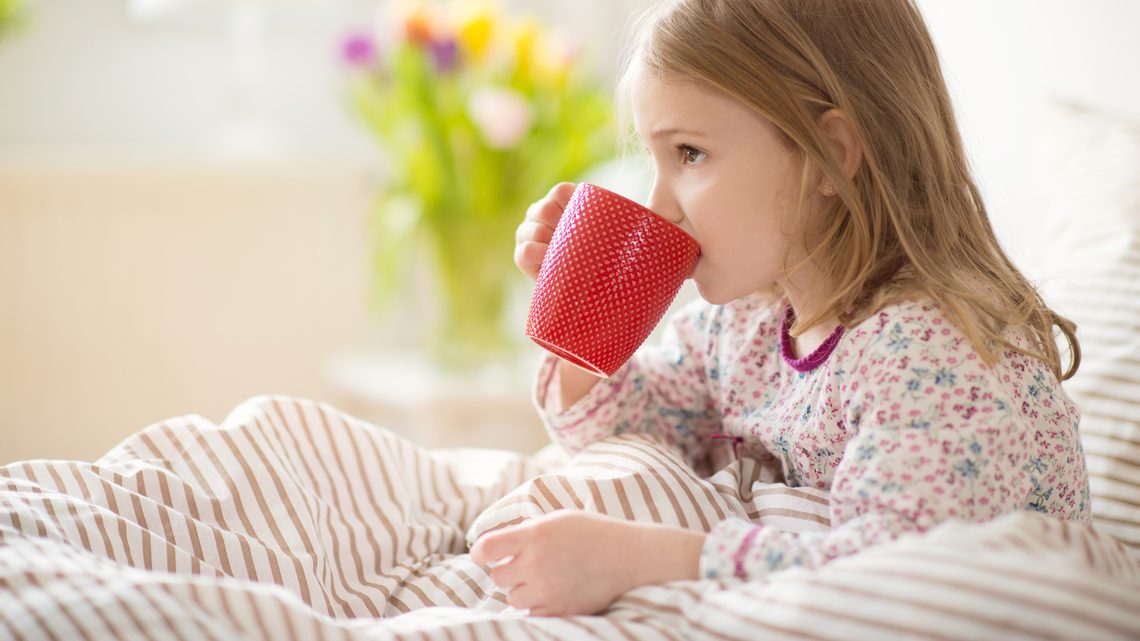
[[911, 222]]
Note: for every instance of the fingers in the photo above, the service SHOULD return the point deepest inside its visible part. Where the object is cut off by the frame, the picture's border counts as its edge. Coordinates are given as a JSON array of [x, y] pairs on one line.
[[561, 193], [496, 546], [545, 212], [533, 235], [511, 574], [524, 597], [534, 230], [548, 209], [528, 257]]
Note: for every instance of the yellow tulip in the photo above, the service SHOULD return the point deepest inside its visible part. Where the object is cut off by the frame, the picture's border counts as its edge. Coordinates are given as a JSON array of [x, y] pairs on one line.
[[554, 57], [475, 25], [525, 35]]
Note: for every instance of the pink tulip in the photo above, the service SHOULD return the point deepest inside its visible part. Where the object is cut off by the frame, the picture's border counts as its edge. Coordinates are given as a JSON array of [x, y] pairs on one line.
[[503, 116]]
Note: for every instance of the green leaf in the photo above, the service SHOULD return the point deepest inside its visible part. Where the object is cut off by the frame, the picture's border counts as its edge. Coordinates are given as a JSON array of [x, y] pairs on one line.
[[395, 219]]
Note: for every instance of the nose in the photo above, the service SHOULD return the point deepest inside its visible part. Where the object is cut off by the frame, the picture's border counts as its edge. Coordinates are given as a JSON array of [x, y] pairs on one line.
[[662, 202]]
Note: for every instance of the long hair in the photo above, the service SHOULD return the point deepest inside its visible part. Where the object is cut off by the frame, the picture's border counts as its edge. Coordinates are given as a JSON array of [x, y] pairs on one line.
[[911, 222]]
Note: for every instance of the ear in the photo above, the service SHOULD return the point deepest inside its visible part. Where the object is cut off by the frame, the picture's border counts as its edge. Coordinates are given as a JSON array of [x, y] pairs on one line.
[[840, 134]]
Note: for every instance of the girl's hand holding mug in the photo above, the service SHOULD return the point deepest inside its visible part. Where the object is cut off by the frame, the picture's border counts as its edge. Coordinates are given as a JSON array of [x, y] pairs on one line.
[[533, 235]]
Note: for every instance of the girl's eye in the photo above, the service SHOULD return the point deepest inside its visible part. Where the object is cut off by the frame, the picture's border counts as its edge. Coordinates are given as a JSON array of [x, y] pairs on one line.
[[690, 155]]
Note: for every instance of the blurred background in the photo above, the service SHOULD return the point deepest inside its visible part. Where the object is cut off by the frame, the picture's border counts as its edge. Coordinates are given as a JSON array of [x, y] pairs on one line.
[[189, 193]]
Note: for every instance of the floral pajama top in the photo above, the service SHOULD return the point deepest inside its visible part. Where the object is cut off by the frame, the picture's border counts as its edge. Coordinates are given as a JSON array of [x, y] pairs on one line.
[[897, 417]]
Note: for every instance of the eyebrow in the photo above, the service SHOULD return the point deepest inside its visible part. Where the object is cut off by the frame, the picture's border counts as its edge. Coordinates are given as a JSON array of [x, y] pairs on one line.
[[676, 130]]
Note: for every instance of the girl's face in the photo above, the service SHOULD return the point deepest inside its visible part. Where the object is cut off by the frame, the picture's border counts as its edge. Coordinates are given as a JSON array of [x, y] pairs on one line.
[[723, 175]]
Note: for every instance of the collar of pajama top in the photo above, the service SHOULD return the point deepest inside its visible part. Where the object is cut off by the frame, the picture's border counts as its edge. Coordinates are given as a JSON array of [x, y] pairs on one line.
[[810, 361]]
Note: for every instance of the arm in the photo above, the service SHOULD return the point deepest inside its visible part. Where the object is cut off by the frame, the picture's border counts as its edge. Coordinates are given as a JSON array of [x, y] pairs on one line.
[[663, 390], [573, 385]]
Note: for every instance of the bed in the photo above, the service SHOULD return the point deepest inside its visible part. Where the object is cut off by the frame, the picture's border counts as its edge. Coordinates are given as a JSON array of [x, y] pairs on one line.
[[292, 520]]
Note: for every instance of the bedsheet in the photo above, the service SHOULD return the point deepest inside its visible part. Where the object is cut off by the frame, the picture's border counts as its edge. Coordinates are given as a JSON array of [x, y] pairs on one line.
[[293, 520]]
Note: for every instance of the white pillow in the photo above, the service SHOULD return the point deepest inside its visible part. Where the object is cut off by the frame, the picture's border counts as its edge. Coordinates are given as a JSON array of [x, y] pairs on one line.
[[1090, 164]]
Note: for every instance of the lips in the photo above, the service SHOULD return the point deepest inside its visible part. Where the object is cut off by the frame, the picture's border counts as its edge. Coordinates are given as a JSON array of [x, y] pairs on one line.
[[696, 264]]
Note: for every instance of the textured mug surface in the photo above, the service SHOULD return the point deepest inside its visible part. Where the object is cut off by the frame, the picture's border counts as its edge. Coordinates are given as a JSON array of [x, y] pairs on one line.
[[611, 271]]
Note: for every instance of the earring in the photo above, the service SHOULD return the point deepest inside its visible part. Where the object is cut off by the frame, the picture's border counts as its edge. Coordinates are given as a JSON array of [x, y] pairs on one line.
[[828, 188]]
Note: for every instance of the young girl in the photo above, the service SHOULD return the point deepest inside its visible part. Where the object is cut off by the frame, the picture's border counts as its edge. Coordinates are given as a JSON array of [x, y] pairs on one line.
[[859, 321]]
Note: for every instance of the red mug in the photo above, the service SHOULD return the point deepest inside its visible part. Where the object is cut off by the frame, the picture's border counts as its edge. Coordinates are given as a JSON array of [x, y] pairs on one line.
[[610, 273]]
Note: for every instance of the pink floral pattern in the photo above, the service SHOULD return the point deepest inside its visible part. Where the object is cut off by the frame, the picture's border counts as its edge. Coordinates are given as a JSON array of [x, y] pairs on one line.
[[903, 423]]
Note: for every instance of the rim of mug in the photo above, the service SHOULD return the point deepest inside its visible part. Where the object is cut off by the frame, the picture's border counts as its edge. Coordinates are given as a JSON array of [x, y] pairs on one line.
[[633, 202], [569, 356]]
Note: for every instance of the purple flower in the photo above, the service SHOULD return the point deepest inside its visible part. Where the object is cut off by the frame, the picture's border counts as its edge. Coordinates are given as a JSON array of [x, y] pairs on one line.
[[359, 50], [445, 54]]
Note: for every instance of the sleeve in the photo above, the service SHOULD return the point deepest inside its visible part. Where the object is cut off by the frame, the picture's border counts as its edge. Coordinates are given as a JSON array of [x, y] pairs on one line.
[[933, 440], [663, 390]]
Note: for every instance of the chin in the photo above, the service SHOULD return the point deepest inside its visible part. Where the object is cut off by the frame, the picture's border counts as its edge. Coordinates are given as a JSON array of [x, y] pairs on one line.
[[712, 295]]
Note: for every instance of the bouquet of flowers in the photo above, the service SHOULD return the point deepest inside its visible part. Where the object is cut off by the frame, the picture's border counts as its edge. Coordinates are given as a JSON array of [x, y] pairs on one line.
[[479, 114]]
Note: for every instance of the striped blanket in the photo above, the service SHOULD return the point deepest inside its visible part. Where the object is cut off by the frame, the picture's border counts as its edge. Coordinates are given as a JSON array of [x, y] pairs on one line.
[[292, 520]]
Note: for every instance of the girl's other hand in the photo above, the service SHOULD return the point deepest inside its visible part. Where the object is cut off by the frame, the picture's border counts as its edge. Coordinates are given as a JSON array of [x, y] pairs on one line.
[[570, 562], [533, 235], [564, 563]]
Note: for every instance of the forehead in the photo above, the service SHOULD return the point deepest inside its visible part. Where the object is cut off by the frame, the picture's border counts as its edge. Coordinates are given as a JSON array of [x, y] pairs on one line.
[[659, 102]]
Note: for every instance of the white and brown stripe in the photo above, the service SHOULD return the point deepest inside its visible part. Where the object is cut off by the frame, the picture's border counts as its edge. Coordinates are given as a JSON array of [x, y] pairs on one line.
[[291, 520], [635, 477]]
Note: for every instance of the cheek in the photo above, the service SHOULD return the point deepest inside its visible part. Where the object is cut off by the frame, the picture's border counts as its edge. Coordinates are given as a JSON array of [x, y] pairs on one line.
[[737, 220]]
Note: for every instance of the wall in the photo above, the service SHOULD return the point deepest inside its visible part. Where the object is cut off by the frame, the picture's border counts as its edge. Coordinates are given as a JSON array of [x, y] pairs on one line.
[[131, 296]]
